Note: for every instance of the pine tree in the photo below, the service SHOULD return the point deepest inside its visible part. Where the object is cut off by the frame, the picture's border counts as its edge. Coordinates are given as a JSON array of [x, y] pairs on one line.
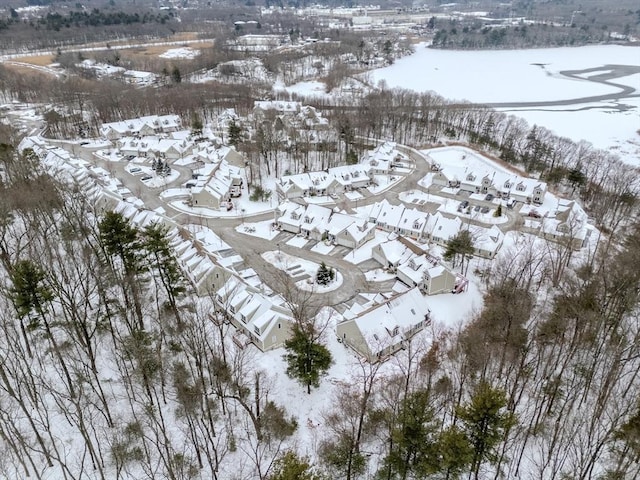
[[234, 133], [176, 76], [498, 212], [196, 124], [461, 244], [455, 452], [307, 359], [291, 467], [324, 275], [120, 240], [485, 422], [162, 259]]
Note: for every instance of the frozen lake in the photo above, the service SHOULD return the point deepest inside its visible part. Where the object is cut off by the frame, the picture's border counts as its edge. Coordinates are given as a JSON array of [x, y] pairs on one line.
[[590, 93]]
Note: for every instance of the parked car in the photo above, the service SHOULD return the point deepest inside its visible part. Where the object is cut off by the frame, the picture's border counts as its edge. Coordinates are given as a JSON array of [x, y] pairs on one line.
[[534, 214], [464, 204], [489, 197], [511, 203], [135, 170], [477, 208], [146, 177], [485, 210]]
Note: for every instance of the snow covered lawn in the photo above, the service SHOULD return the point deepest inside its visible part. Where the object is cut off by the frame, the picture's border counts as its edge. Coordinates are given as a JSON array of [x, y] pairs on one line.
[[353, 195], [378, 275], [302, 271], [175, 192], [322, 248], [259, 229], [181, 53], [363, 253]]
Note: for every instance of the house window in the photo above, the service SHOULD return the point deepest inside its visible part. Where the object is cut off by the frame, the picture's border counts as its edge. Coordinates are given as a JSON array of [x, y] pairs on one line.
[[279, 325], [257, 330], [413, 312], [396, 331], [375, 337], [232, 309], [243, 318]]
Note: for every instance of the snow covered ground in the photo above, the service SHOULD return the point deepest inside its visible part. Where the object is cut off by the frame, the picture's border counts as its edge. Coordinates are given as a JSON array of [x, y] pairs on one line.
[[303, 271], [491, 76], [181, 53], [509, 76]]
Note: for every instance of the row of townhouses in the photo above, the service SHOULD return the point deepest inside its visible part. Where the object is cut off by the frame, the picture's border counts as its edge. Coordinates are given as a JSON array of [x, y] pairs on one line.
[[488, 181], [380, 161], [436, 228], [141, 127]]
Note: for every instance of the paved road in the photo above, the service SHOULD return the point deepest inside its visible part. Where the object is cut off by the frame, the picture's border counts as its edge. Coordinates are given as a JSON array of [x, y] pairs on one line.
[[251, 247]]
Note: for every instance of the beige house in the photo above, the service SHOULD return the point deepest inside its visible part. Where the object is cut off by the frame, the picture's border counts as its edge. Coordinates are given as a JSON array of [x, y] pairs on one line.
[[428, 274], [262, 320], [225, 182], [378, 330]]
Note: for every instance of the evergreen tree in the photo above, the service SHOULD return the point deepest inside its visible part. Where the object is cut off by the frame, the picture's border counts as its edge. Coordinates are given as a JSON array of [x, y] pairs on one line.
[[162, 259], [412, 451], [324, 275], [120, 240], [29, 292], [307, 359], [486, 422], [461, 244], [498, 212], [234, 133], [454, 452], [196, 124], [291, 467], [176, 76]]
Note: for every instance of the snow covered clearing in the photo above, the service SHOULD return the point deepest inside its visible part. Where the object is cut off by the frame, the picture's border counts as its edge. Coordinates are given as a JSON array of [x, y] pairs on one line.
[[185, 53], [259, 229], [302, 271]]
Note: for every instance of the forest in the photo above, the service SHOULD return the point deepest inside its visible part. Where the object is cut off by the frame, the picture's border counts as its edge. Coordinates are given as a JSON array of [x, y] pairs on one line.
[[112, 367]]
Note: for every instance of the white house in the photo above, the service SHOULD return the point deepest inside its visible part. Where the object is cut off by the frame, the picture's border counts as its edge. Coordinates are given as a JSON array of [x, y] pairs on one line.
[[224, 183], [260, 319], [382, 329], [141, 126]]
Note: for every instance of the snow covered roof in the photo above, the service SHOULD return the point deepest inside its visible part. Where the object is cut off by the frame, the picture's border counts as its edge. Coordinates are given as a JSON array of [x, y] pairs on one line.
[[278, 105], [383, 325], [442, 227]]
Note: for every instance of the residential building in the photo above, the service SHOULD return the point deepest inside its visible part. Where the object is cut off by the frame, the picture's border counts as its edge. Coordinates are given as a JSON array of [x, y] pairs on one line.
[[258, 318], [377, 330], [216, 191]]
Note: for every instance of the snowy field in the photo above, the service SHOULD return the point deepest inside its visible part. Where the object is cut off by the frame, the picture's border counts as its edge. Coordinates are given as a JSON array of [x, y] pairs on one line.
[[180, 53], [507, 76]]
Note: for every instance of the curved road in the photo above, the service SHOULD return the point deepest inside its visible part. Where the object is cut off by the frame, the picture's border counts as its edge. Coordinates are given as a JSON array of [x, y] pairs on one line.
[[251, 247]]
